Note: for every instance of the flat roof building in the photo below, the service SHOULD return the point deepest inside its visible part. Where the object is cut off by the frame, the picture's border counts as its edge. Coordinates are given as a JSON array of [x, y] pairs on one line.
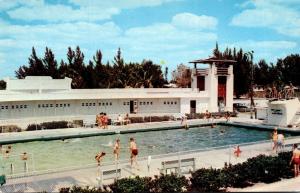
[[42, 96]]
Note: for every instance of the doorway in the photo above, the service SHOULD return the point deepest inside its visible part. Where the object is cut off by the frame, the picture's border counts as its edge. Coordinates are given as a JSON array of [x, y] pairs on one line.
[[193, 106]]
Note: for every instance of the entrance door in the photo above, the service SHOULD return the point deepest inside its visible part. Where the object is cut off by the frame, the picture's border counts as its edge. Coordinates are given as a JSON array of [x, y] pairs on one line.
[[131, 107], [193, 106], [222, 88]]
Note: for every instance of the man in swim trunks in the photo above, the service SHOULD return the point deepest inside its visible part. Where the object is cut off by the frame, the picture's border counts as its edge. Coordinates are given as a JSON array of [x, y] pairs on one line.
[[296, 159], [133, 152], [117, 148]]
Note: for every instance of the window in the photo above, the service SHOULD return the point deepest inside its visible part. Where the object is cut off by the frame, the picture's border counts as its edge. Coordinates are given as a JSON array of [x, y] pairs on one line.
[[147, 103], [39, 106], [82, 104], [124, 103], [150, 103], [42, 105], [25, 106], [128, 103], [57, 105], [99, 104], [144, 103], [110, 103], [6, 107], [12, 107], [51, 105], [175, 103], [69, 105], [21, 106], [60, 105], [47, 105], [106, 104], [65, 105], [168, 102], [165, 102], [103, 104], [2, 107], [17, 106], [94, 104], [172, 103], [86, 104], [90, 104]]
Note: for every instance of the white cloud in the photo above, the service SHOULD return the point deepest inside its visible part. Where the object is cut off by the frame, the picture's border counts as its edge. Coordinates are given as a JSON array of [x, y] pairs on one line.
[[282, 16], [88, 10], [66, 13], [157, 41], [188, 20], [120, 4]]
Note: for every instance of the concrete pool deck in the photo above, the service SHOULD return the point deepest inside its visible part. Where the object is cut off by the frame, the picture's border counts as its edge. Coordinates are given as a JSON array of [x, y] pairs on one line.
[[53, 180]]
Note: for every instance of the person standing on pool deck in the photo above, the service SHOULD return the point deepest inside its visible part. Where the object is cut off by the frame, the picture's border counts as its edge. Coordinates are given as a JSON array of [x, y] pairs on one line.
[[117, 148], [133, 151], [296, 159], [280, 141], [275, 139]]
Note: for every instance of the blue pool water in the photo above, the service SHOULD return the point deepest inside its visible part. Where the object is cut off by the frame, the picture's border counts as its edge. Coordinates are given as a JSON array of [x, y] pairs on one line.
[[55, 154]]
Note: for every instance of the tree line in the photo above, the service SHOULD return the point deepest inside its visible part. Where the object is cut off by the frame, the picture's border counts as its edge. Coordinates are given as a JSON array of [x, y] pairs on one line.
[[94, 74], [118, 74]]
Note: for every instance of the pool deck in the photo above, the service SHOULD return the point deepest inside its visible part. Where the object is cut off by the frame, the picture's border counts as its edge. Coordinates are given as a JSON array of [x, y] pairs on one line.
[[211, 157]]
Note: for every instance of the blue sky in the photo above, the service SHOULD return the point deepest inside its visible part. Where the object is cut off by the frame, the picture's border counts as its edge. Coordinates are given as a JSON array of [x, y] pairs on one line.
[[176, 31]]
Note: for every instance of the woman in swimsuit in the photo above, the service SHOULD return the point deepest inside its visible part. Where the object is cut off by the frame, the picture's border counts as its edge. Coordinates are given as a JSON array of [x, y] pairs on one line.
[[134, 152], [296, 159], [275, 138], [117, 149]]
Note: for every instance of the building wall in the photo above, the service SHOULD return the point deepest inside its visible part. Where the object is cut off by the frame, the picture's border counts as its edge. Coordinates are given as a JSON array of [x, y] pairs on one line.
[[229, 89], [16, 110], [38, 84], [213, 89]]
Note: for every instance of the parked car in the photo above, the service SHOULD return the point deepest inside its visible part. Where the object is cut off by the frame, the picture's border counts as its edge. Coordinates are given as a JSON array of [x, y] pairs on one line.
[[241, 107]]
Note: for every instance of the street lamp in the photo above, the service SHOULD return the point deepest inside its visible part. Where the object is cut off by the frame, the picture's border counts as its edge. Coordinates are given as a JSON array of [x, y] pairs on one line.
[[252, 105]]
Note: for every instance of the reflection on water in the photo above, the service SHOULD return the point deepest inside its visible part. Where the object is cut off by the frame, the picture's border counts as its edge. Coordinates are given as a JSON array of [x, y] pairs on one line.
[[82, 151]]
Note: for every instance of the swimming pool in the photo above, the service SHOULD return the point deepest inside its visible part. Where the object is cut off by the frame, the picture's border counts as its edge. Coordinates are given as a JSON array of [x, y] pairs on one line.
[[45, 155]]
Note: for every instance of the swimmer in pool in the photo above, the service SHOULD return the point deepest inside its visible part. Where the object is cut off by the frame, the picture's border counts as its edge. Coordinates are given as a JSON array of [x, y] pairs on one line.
[[99, 157]]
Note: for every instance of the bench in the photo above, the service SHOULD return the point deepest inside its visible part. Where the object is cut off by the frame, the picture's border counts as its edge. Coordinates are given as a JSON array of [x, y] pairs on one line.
[[109, 174], [183, 166]]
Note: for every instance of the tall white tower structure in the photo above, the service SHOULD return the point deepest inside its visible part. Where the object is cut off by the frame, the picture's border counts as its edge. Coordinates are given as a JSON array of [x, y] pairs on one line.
[[216, 80]]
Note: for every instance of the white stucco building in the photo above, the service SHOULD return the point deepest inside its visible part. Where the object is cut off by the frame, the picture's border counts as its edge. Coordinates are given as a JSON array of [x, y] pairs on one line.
[[41, 96]]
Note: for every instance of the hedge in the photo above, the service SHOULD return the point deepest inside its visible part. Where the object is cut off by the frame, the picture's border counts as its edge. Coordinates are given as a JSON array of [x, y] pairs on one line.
[[262, 168], [9, 128], [49, 125]]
